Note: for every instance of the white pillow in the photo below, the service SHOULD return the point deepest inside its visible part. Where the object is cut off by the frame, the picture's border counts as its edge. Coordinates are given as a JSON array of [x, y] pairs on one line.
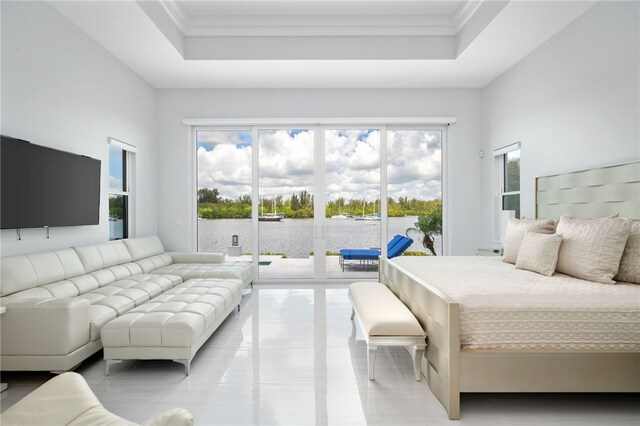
[[515, 233], [591, 248], [539, 253], [629, 270]]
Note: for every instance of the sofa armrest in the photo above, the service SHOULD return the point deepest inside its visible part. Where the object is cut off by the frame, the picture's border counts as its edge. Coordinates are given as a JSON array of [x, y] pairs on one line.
[[197, 257], [44, 326], [175, 417]]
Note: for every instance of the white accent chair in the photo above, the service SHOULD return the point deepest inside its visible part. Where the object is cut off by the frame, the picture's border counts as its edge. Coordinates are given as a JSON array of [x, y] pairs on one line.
[[67, 399]]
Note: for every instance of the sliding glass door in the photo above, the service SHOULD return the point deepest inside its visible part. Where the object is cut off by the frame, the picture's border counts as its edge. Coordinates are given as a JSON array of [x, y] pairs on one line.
[[319, 202], [223, 179], [414, 189], [353, 225], [286, 203]]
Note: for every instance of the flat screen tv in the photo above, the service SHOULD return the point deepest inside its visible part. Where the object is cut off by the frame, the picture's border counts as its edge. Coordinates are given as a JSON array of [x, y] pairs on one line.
[[46, 187]]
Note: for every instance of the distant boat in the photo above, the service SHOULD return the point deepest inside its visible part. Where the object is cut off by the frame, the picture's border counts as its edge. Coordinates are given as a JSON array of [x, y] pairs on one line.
[[270, 217], [372, 216], [342, 216]]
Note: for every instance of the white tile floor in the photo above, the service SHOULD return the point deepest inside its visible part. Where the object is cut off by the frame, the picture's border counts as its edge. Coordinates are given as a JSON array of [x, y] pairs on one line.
[[293, 357]]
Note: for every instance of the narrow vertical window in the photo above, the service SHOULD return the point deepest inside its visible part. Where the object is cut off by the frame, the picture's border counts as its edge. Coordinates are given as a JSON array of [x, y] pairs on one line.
[[511, 181], [120, 158]]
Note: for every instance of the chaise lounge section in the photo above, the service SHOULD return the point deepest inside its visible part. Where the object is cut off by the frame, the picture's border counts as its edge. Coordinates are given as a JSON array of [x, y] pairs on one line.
[[174, 325], [57, 302]]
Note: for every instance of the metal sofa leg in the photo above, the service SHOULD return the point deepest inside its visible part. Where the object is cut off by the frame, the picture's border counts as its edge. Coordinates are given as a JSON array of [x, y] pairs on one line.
[[109, 363], [186, 363]]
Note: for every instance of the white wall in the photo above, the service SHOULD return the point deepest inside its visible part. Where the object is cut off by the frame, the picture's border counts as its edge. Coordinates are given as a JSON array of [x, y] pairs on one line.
[[574, 103], [175, 174], [61, 89]]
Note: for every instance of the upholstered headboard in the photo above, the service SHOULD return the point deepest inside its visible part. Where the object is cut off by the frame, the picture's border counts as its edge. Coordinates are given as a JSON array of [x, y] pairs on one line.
[[597, 192]]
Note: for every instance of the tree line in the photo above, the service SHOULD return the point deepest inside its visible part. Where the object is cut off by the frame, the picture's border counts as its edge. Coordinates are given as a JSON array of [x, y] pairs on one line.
[[300, 206]]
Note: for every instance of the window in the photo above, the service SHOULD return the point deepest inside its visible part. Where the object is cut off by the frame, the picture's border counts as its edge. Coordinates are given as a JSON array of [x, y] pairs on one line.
[[507, 204], [120, 159], [510, 193]]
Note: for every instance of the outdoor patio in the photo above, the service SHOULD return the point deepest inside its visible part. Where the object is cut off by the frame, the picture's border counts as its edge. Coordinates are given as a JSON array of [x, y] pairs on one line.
[[273, 267]]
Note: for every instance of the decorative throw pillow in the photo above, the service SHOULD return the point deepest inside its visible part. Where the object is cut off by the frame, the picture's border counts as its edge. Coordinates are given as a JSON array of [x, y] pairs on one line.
[[591, 248], [629, 270], [539, 253], [515, 233]]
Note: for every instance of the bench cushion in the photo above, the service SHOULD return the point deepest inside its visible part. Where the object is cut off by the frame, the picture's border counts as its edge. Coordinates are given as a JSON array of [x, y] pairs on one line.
[[381, 312]]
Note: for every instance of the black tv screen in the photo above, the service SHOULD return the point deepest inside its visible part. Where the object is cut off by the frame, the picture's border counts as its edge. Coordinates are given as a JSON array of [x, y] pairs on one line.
[[46, 187]]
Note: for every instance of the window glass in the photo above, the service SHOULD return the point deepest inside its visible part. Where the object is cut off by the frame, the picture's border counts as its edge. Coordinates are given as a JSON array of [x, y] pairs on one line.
[[414, 164], [511, 202], [224, 192], [118, 206], [511, 182], [512, 171], [116, 169]]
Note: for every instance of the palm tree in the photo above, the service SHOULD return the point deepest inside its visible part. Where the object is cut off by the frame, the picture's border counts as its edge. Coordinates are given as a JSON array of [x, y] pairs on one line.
[[429, 225]]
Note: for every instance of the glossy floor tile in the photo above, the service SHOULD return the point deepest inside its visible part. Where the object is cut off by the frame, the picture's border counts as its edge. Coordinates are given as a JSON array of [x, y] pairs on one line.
[[292, 356]]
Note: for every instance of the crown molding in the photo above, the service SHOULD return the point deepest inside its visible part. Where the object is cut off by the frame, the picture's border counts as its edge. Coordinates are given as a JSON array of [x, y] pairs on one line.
[[314, 25], [464, 13]]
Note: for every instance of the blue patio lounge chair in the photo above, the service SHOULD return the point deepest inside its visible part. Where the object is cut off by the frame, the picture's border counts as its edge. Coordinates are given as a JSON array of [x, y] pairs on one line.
[[396, 247]]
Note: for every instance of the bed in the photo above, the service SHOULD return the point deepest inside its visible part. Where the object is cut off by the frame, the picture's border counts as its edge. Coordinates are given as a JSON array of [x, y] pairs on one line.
[[585, 336]]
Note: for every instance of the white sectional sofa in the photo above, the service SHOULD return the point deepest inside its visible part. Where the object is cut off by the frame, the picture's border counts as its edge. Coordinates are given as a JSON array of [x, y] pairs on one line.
[[57, 302]]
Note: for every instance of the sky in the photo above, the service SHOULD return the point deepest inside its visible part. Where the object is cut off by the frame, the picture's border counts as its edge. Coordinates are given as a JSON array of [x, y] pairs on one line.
[[115, 168], [352, 161]]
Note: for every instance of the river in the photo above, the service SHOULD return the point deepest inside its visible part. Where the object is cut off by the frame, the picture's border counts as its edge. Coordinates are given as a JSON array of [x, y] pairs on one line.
[[294, 237]]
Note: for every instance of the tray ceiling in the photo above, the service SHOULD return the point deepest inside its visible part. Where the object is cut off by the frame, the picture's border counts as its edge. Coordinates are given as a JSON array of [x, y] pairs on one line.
[[320, 44]]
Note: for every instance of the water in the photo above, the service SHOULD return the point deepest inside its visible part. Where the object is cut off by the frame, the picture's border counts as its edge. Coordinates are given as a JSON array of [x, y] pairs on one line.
[[294, 237]]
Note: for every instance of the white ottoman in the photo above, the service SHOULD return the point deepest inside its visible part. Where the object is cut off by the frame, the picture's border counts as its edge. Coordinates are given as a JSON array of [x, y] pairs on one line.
[[173, 325]]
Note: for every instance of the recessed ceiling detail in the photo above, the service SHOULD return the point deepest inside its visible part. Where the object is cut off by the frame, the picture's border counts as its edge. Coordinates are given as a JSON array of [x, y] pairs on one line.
[[313, 18], [320, 44]]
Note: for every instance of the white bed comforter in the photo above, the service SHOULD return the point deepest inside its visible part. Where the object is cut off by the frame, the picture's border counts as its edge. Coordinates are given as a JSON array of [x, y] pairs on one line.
[[502, 307]]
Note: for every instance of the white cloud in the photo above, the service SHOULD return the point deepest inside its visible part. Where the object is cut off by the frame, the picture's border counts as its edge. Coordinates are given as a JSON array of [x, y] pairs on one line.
[[227, 168], [115, 184], [352, 159]]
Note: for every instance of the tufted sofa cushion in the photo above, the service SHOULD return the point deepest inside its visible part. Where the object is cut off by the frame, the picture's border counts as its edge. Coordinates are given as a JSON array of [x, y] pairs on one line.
[[101, 256], [176, 318], [152, 263], [227, 270], [24, 272], [141, 248]]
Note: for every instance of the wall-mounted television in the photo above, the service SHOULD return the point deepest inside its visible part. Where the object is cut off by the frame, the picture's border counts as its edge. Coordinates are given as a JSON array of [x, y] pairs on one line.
[[43, 187]]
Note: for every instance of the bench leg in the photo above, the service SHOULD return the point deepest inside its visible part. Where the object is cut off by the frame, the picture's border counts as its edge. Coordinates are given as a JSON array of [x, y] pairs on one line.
[[353, 313], [186, 363], [371, 360], [418, 353]]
